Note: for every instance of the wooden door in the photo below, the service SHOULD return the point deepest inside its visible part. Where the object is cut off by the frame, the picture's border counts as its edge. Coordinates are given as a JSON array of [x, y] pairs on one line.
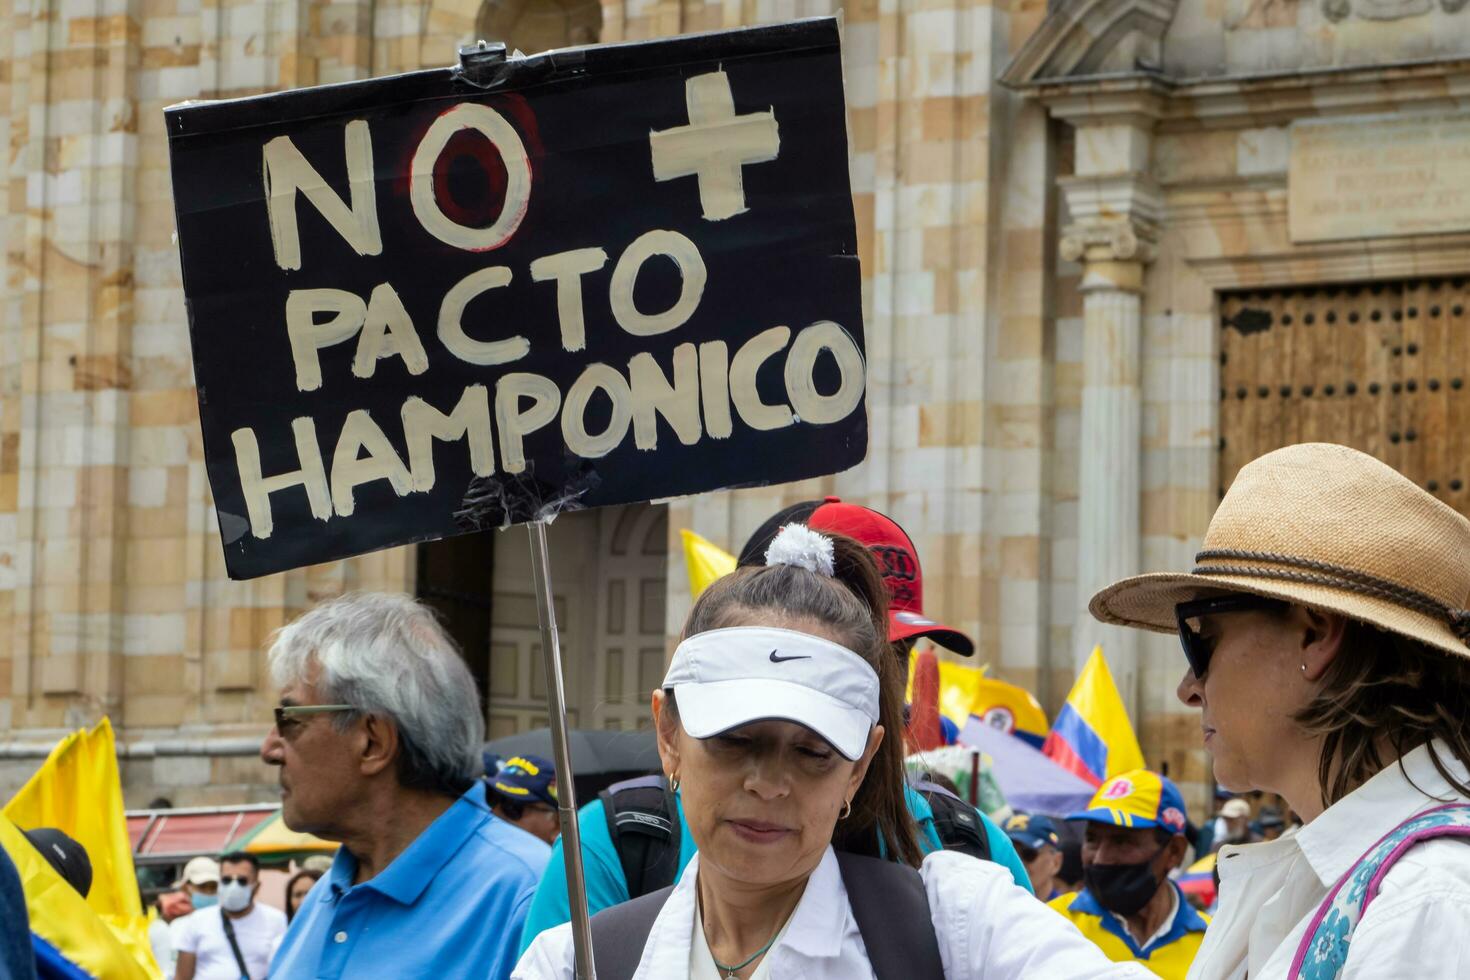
[[1377, 366]]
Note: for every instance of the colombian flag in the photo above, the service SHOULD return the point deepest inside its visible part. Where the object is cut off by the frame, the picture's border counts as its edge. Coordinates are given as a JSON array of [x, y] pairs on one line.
[[1092, 736]]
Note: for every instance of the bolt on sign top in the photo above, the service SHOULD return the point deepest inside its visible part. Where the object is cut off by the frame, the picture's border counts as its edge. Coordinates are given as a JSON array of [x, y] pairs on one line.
[[440, 302]]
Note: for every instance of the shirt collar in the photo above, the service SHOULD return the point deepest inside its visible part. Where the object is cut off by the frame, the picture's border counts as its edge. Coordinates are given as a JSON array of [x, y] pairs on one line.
[[820, 919], [407, 875], [1183, 919], [1345, 831]]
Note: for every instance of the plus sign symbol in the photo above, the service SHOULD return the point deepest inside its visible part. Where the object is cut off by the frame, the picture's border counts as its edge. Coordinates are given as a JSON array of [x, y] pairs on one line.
[[715, 146]]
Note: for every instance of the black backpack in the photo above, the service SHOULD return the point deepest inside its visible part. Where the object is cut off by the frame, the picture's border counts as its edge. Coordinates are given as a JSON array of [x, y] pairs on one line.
[[643, 823], [888, 904]]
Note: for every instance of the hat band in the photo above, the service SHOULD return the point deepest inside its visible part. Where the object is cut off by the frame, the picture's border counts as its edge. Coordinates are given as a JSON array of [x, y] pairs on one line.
[[1337, 577]]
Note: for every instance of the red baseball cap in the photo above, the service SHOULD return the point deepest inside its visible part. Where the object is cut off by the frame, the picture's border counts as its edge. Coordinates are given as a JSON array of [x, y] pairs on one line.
[[898, 561]]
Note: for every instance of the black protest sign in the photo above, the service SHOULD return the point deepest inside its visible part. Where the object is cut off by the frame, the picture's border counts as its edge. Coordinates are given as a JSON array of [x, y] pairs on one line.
[[451, 300]]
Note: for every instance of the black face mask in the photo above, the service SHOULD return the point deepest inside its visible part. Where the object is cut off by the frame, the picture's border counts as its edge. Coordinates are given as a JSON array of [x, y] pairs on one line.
[[1123, 888]]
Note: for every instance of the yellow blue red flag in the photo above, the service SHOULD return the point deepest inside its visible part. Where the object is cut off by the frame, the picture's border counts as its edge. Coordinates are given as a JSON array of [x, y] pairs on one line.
[[705, 560], [1092, 736]]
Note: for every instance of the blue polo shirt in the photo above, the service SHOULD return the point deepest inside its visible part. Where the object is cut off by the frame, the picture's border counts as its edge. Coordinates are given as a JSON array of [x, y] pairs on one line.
[[451, 905], [606, 885]]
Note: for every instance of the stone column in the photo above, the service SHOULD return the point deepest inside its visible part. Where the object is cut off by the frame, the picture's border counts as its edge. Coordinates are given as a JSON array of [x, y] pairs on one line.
[[1115, 218]]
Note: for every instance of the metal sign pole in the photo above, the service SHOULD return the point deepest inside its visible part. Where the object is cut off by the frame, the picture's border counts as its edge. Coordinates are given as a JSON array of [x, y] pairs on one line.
[[566, 794]]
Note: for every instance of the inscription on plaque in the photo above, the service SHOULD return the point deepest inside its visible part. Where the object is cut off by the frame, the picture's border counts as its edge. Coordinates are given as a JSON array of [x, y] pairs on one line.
[[1379, 177]]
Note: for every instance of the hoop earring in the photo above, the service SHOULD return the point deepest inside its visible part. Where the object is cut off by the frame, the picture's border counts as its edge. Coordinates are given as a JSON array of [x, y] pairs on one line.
[[846, 811], [674, 783]]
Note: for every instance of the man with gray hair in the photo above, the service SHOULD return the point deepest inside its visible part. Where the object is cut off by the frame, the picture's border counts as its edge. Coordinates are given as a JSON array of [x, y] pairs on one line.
[[378, 738]]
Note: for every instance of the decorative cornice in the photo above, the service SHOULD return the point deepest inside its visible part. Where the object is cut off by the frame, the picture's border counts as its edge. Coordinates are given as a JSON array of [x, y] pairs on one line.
[[1268, 99], [1085, 37]]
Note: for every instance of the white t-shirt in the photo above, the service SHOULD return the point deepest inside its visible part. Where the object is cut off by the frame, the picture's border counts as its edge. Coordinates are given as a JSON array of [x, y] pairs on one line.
[[203, 934]]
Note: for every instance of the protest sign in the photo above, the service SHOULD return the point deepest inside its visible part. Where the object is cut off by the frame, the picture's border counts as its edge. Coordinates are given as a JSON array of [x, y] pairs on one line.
[[444, 301]]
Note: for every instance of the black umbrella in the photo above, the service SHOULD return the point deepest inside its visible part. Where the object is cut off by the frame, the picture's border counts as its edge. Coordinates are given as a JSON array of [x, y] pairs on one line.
[[594, 752]]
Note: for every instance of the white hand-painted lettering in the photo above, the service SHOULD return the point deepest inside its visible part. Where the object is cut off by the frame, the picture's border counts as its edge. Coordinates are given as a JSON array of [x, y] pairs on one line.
[[507, 142], [350, 469], [743, 370], [567, 269], [387, 331], [451, 327], [604, 378], [308, 336], [702, 379], [692, 277], [808, 403], [715, 146], [470, 419], [514, 424], [257, 488], [286, 171], [714, 388], [654, 396]]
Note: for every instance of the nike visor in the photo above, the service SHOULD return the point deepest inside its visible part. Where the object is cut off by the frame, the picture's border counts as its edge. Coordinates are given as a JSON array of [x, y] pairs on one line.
[[723, 679]]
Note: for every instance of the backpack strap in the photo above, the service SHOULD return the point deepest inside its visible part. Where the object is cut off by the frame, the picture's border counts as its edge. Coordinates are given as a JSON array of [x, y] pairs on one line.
[[643, 822], [1324, 947], [892, 913], [956, 822], [620, 933]]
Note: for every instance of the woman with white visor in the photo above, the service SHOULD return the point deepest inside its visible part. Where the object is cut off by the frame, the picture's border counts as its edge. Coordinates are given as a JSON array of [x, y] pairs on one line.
[[1327, 636], [779, 720]]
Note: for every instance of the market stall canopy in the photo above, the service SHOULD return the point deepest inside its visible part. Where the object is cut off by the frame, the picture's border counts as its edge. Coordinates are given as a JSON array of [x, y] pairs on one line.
[[165, 837], [275, 843], [1030, 781]]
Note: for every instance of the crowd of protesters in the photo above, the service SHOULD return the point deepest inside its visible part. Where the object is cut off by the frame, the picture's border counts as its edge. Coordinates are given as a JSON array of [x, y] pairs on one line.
[[1324, 630]]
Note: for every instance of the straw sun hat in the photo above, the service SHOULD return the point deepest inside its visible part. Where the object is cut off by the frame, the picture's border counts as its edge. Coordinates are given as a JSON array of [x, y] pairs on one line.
[[1327, 527]]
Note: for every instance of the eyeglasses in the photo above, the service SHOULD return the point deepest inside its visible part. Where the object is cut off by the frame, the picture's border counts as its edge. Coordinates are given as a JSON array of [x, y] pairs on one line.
[[1198, 649], [286, 713], [234, 880]]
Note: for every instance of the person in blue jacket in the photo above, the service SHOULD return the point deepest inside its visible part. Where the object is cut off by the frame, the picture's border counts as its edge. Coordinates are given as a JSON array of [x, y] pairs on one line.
[[898, 561]]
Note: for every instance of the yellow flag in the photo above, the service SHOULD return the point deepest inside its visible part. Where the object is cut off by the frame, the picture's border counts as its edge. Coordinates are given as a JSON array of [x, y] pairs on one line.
[[968, 691], [706, 561], [62, 918], [77, 790]]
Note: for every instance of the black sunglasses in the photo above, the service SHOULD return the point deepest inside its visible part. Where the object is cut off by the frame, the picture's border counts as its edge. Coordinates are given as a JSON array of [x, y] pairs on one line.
[[234, 879], [1197, 648]]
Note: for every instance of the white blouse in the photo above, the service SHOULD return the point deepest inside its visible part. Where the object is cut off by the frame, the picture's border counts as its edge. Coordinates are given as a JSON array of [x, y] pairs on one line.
[[1416, 927], [987, 927]]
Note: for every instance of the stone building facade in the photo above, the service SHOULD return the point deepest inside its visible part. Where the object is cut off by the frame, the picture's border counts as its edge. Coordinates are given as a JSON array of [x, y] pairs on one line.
[[1062, 213]]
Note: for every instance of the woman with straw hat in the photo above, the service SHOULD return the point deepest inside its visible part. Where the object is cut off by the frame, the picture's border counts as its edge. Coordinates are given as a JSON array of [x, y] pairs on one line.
[[1325, 629], [779, 719]]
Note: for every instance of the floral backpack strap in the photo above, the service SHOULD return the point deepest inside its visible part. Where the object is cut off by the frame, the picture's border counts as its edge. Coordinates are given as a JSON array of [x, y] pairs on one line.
[[1324, 947]]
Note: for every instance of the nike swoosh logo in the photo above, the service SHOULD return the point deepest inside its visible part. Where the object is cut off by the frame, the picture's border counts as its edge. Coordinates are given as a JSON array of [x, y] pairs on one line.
[[781, 660]]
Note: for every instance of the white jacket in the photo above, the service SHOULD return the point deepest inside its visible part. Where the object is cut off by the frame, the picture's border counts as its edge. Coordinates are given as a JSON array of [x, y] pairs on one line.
[[988, 929], [1417, 926]]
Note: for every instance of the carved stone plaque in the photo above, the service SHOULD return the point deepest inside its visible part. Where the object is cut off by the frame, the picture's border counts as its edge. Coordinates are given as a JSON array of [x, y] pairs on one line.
[[1380, 176]]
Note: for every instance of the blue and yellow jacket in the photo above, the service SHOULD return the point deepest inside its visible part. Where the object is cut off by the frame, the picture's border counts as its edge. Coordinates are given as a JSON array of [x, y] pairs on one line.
[[1168, 956]]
